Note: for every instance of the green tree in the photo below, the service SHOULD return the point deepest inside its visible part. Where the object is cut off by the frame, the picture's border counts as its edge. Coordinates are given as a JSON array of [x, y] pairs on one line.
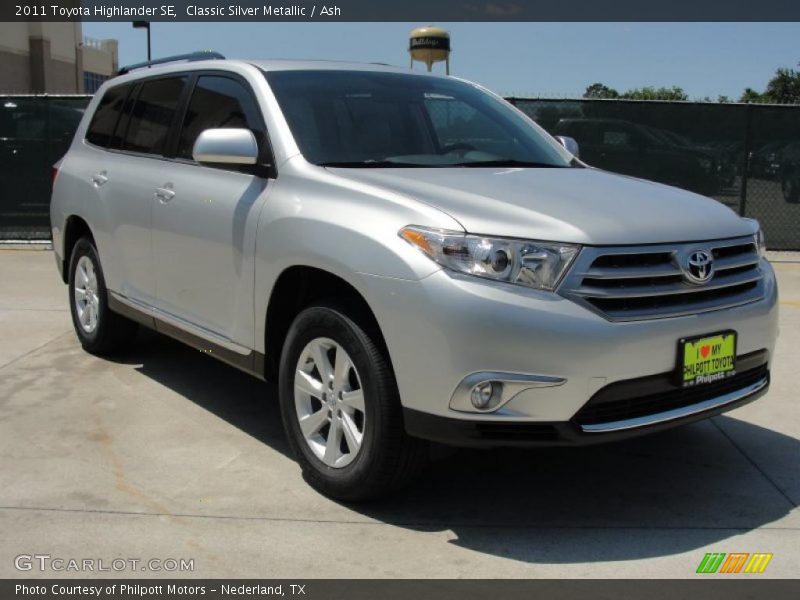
[[784, 87], [651, 93], [749, 95], [600, 90]]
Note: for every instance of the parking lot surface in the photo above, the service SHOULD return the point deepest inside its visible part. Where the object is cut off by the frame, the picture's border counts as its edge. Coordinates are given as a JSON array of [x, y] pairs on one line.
[[165, 453]]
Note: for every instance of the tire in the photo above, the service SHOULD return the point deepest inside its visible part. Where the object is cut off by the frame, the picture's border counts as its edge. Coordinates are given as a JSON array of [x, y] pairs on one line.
[[99, 330], [383, 458]]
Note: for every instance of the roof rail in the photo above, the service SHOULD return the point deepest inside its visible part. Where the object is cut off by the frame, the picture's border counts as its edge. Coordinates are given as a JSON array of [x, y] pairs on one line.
[[190, 57]]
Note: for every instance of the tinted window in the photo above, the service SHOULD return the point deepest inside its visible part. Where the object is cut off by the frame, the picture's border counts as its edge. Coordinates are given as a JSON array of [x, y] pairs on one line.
[[124, 119], [364, 118], [456, 123], [217, 102], [152, 115], [105, 117]]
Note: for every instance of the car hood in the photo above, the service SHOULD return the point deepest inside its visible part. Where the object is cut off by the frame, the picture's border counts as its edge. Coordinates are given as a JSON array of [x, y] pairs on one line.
[[579, 205]]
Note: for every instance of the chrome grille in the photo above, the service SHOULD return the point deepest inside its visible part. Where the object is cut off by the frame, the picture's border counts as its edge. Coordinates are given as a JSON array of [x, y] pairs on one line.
[[629, 283]]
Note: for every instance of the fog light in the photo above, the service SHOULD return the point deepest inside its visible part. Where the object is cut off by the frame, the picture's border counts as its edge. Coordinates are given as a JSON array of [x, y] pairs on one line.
[[482, 394]]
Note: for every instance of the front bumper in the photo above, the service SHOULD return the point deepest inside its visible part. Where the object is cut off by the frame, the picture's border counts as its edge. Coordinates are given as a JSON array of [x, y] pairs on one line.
[[446, 327], [618, 411]]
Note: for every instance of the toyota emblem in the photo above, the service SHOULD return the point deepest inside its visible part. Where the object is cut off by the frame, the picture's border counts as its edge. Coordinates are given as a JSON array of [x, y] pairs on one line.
[[699, 267]]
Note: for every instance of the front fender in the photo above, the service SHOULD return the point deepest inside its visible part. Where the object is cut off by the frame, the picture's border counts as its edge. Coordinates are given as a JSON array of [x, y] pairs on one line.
[[346, 231]]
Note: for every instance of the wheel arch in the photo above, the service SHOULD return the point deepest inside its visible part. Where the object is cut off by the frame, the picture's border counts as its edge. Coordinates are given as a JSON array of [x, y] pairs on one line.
[[301, 286], [75, 227]]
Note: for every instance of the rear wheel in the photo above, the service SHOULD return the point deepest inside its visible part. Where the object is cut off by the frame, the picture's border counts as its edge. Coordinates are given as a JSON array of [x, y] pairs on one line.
[[99, 330], [341, 408]]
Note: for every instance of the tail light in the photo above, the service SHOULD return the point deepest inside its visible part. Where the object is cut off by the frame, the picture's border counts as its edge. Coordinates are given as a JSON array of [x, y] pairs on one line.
[[53, 175]]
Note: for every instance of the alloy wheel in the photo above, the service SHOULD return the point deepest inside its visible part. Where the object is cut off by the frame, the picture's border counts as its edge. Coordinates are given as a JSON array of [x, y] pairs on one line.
[[329, 401], [87, 300]]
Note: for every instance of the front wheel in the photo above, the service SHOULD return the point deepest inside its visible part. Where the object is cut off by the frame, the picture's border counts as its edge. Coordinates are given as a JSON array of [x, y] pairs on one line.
[[341, 409]]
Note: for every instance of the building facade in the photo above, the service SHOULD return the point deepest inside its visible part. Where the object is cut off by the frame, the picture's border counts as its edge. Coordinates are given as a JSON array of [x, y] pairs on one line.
[[53, 58]]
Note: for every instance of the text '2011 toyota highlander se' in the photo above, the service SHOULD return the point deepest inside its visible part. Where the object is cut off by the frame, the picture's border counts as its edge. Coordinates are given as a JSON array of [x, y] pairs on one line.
[[409, 257]]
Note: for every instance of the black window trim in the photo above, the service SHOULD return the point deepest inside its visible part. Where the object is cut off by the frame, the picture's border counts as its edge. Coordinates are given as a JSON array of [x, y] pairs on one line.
[[265, 168], [131, 88], [136, 90], [127, 109], [140, 85]]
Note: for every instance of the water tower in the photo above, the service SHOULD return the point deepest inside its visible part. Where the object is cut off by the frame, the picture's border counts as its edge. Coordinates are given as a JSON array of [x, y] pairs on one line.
[[429, 45]]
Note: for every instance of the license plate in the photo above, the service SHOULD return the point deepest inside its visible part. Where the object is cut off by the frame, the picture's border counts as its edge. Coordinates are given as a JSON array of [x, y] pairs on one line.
[[707, 359]]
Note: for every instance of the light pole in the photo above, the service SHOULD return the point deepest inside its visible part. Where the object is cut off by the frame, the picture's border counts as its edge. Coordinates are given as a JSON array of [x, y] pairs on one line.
[[144, 25]]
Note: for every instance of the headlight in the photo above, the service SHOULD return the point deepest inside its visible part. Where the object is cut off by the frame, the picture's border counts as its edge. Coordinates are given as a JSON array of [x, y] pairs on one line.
[[761, 243], [539, 265]]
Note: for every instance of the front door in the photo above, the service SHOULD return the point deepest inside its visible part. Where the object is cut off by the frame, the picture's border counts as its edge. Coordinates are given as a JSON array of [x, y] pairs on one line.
[[205, 219]]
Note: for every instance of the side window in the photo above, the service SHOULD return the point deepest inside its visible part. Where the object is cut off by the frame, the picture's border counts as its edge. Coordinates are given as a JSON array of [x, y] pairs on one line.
[[118, 138], [218, 102], [152, 115], [105, 118]]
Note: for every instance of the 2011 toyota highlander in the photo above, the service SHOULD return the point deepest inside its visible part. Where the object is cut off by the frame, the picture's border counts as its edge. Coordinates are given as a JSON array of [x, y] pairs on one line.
[[409, 257]]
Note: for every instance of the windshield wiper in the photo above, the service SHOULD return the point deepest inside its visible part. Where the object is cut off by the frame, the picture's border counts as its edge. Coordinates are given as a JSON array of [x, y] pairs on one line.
[[368, 164], [509, 162]]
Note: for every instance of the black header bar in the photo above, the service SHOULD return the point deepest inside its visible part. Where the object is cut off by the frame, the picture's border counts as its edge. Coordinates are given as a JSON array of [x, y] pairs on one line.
[[709, 587], [421, 11]]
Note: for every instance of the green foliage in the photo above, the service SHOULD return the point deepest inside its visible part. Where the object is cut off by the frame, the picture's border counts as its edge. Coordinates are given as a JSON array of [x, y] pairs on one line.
[[651, 93], [783, 88], [599, 90], [750, 95]]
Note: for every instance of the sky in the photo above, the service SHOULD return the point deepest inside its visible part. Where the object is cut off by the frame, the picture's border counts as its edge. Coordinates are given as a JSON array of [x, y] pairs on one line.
[[537, 59]]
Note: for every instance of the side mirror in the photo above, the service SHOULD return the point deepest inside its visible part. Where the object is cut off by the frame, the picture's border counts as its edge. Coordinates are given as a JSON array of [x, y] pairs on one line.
[[570, 144], [226, 146]]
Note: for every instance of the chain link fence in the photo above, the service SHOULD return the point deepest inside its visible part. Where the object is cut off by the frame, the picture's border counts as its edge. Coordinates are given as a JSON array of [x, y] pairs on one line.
[[745, 156], [35, 131]]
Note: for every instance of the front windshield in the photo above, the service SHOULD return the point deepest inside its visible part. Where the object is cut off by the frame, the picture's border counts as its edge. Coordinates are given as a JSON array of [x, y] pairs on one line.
[[378, 119]]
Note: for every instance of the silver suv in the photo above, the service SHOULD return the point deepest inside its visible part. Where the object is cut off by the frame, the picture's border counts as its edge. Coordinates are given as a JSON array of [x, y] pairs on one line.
[[409, 257]]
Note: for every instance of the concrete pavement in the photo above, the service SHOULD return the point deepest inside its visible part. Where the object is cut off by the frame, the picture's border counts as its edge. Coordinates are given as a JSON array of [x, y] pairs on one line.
[[165, 453]]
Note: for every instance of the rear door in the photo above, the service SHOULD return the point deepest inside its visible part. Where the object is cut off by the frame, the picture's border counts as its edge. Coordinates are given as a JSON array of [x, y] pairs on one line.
[[204, 224], [126, 178]]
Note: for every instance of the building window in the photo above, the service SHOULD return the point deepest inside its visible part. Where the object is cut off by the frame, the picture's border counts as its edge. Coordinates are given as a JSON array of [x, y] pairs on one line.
[[92, 81]]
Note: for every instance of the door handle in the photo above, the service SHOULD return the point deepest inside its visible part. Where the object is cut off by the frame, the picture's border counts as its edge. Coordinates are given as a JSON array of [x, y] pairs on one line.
[[166, 193], [99, 179]]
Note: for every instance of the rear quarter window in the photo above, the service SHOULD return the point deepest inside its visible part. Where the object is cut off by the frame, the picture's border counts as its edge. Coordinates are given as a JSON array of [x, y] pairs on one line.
[[105, 118]]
